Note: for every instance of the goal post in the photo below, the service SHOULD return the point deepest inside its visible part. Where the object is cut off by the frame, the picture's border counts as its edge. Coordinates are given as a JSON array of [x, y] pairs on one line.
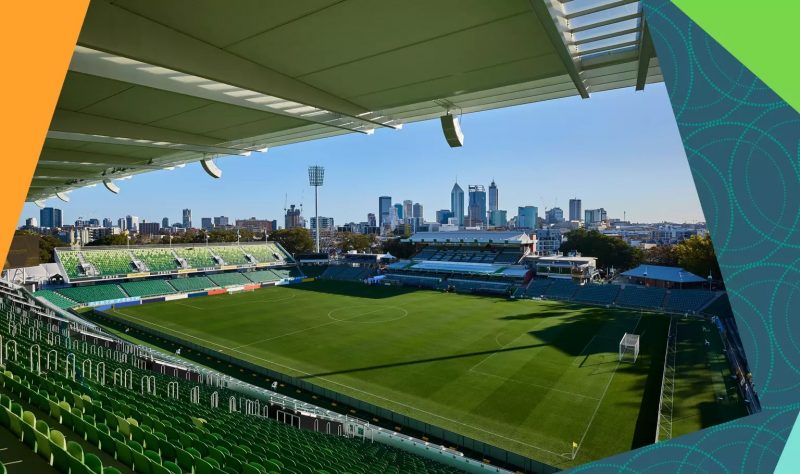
[[629, 344]]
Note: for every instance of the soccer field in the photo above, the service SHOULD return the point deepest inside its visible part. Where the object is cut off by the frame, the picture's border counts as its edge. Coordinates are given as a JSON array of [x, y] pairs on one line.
[[528, 376]]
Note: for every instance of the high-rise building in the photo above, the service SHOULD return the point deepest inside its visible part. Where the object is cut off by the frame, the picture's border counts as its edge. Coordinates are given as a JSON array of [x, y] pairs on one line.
[[595, 216], [493, 203], [293, 218], [94, 222], [50, 218], [442, 215], [476, 211], [384, 209], [408, 210], [526, 217], [371, 220], [187, 219], [325, 223], [575, 209], [417, 211], [256, 225], [221, 221], [165, 222], [399, 209], [108, 223], [122, 223], [132, 223], [554, 215], [149, 228], [498, 218], [457, 203], [31, 222], [206, 223]]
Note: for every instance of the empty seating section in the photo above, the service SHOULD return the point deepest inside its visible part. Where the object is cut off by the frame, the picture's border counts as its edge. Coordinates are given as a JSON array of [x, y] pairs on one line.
[[688, 300], [185, 285], [196, 257], [90, 294], [71, 263], [475, 255], [156, 259], [230, 255], [536, 288], [594, 293], [147, 288], [313, 271], [229, 279], [110, 262], [637, 297], [346, 273], [413, 280], [286, 272], [508, 256], [425, 254], [561, 289], [262, 276], [53, 297], [89, 424], [472, 286], [264, 253]]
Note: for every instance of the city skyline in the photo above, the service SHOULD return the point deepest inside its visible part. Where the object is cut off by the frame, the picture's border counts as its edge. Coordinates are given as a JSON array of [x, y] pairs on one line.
[[532, 168]]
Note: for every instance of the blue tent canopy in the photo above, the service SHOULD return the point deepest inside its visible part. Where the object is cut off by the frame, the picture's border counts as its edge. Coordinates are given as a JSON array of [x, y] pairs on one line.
[[657, 272]]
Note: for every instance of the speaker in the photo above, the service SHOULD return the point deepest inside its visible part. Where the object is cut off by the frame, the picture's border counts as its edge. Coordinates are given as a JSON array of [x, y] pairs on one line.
[[211, 168], [111, 186], [452, 131]]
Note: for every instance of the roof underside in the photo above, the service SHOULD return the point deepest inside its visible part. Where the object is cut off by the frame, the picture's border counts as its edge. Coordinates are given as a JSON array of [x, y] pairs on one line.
[[154, 85]]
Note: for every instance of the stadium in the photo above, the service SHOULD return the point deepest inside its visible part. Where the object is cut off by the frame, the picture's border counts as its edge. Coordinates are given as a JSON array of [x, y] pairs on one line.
[[474, 354]]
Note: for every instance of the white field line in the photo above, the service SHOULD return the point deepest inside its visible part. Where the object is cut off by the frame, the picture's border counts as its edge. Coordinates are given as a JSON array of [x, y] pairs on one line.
[[412, 408], [600, 402], [189, 306]]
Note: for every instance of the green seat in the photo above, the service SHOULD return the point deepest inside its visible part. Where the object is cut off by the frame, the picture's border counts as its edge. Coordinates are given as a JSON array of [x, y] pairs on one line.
[[124, 453], [43, 446], [15, 424], [172, 467], [28, 428], [75, 450], [93, 463], [153, 456], [111, 470]]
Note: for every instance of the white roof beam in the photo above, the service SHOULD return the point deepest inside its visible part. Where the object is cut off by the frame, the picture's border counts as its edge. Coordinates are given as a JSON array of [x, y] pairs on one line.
[[89, 138]]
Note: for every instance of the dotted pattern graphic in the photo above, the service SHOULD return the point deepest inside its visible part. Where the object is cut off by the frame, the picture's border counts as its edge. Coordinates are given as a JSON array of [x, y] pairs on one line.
[[743, 146]]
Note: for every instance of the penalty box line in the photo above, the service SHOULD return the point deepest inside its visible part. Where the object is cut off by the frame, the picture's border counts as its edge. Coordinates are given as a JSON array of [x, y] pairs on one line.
[[410, 407]]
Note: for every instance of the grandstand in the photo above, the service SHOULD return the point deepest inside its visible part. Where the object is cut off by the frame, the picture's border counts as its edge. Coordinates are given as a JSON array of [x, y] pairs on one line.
[[145, 288], [346, 273], [187, 284], [228, 279], [156, 259], [92, 293]]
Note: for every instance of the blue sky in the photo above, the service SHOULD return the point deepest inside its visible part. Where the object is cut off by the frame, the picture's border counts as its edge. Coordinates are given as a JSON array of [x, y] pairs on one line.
[[619, 150]]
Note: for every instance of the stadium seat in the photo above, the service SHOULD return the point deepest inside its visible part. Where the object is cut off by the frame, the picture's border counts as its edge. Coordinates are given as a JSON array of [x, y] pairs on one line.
[[89, 294], [145, 288], [229, 279], [185, 285]]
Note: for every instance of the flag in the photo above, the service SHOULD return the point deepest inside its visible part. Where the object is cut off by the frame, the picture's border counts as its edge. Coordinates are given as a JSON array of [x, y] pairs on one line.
[[574, 445]]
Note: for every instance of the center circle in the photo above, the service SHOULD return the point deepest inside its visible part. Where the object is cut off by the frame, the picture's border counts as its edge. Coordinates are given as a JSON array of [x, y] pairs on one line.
[[368, 314]]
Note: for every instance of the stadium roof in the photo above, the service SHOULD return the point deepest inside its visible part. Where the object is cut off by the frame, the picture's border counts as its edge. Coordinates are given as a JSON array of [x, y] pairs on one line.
[[656, 272], [154, 85], [470, 237]]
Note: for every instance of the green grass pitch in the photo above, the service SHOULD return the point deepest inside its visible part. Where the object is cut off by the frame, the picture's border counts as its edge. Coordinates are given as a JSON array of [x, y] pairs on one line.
[[528, 376]]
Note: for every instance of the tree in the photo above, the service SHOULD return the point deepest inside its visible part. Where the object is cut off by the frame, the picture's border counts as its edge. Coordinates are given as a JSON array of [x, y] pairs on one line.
[[609, 251], [398, 249], [297, 240], [349, 241], [116, 239], [661, 255], [696, 254]]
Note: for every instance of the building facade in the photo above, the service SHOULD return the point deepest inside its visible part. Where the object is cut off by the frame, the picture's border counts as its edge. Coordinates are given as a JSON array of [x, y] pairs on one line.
[[527, 216], [187, 219], [293, 218], [206, 223], [575, 209], [417, 211], [149, 228], [498, 218], [50, 218], [457, 204], [554, 216], [384, 210], [476, 211], [493, 197]]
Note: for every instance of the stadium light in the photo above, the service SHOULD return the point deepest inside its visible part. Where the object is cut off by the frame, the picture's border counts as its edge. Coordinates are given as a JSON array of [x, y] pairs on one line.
[[316, 175]]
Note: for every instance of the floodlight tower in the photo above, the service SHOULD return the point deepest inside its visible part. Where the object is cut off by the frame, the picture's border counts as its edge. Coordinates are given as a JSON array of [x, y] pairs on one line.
[[316, 175]]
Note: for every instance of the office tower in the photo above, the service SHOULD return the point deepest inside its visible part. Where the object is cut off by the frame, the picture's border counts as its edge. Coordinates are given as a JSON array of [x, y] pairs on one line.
[[526, 217], [477, 205], [122, 223], [221, 221], [293, 218], [107, 223], [498, 218], [187, 218], [443, 215], [554, 215], [325, 223], [206, 223], [399, 210], [31, 222], [165, 222], [50, 217], [408, 209], [149, 228], [417, 211], [575, 209], [132, 223], [384, 209], [371, 220], [595, 216], [457, 203], [493, 203]]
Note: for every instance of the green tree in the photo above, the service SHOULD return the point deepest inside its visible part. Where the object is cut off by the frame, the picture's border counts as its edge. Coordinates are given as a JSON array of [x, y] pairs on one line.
[[609, 251], [117, 239], [348, 241], [397, 248], [297, 240], [697, 255], [661, 255]]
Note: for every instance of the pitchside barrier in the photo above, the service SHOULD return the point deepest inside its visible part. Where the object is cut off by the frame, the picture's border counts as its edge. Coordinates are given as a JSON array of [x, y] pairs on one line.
[[486, 450]]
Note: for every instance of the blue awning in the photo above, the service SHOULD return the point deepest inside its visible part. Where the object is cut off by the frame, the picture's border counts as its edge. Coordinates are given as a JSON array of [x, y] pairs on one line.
[[657, 272]]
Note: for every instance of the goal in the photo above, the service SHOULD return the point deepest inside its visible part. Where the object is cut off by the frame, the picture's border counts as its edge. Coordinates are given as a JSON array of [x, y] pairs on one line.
[[629, 345]]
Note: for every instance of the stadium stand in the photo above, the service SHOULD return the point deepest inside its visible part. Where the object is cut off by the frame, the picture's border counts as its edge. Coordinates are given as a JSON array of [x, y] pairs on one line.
[[598, 294], [537, 288], [156, 259], [478, 286], [561, 289], [287, 272], [688, 300], [196, 257], [638, 297], [80, 422], [262, 276], [346, 273], [185, 285], [70, 260], [145, 288], [265, 253], [229, 279], [110, 262], [233, 255], [313, 271], [55, 298], [413, 280], [89, 294]]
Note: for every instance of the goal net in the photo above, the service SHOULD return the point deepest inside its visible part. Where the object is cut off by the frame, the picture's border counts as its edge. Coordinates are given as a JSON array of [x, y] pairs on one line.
[[629, 346]]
